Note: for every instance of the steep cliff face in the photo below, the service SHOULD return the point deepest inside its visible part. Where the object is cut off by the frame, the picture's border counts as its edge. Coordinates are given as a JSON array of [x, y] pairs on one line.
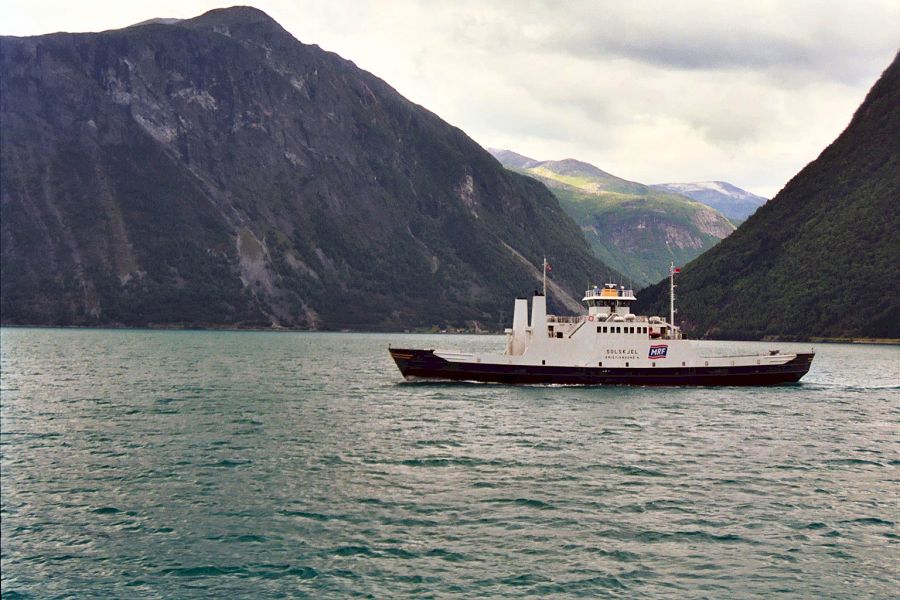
[[633, 228], [216, 171], [819, 259]]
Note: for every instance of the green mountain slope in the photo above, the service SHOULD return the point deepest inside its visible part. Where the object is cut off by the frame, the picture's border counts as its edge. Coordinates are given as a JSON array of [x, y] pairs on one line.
[[630, 226], [821, 258], [216, 171]]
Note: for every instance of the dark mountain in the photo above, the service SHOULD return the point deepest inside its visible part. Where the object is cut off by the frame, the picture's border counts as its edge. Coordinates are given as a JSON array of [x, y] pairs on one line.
[[821, 258], [632, 227], [730, 200], [216, 171], [512, 160]]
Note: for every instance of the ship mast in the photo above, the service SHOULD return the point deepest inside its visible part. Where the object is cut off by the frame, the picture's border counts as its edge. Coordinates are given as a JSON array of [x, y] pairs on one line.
[[672, 297], [545, 276]]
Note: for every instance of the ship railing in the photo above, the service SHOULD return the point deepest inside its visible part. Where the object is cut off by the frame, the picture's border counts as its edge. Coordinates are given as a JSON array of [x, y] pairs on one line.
[[555, 319], [599, 318], [612, 316]]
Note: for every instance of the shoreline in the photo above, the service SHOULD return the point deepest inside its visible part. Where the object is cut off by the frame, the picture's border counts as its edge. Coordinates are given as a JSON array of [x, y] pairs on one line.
[[423, 331]]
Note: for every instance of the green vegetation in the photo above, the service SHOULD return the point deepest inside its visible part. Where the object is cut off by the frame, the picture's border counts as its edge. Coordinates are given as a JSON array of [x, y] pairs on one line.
[[633, 228], [820, 259]]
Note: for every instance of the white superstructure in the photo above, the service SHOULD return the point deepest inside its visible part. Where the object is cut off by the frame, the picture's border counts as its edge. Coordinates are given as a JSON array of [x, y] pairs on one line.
[[610, 335], [610, 345]]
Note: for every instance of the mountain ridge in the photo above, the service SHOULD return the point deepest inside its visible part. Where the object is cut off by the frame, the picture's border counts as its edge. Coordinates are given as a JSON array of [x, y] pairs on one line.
[[630, 226], [819, 260], [735, 203], [215, 171]]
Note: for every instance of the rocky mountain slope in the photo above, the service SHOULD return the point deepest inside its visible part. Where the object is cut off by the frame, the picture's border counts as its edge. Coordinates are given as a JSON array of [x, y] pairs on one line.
[[630, 226], [730, 200], [217, 172], [821, 258]]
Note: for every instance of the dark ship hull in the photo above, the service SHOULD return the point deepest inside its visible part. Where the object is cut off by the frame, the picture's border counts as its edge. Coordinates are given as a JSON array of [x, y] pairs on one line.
[[424, 364]]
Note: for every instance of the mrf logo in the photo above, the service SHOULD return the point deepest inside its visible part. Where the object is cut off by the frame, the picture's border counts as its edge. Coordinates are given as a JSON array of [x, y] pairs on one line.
[[658, 351]]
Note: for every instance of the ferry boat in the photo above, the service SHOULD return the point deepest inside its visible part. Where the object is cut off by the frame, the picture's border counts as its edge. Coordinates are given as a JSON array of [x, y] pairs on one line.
[[609, 345]]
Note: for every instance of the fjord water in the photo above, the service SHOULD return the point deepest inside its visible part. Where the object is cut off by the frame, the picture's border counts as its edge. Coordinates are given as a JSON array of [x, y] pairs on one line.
[[187, 464]]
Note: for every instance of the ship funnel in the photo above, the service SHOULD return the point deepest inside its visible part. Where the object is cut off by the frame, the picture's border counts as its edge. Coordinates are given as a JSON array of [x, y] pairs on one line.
[[539, 313], [520, 324]]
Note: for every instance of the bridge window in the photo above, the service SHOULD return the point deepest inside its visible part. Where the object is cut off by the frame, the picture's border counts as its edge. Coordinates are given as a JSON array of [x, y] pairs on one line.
[[598, 329]]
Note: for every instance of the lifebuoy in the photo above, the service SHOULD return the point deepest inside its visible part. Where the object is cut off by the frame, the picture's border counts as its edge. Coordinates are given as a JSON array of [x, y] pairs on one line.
[[590, 317]]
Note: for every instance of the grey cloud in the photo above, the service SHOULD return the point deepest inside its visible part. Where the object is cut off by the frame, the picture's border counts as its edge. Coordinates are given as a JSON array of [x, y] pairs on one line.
[[678, 51]]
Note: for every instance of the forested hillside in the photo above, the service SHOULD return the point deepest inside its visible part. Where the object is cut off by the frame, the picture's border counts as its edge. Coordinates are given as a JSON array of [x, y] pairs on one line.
[[630, 226], [821, 258]]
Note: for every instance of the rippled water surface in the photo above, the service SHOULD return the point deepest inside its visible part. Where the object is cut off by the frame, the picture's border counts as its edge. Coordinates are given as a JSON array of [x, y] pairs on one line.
[[196, 464]]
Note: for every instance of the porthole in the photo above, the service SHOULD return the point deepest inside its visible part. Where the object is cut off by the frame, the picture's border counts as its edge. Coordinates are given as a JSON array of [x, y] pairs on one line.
[[626, 364], [543, 362], [600, 364]]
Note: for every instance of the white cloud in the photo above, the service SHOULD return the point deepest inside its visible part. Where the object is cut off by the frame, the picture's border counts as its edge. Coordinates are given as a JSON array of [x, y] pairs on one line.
[[648, 90]]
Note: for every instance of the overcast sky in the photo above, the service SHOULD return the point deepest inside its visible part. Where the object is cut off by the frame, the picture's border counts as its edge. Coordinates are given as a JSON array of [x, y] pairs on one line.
[[656, 91]]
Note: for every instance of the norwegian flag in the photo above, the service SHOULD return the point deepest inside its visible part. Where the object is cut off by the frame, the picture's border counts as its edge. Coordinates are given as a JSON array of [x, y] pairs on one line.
[[676, 270]]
